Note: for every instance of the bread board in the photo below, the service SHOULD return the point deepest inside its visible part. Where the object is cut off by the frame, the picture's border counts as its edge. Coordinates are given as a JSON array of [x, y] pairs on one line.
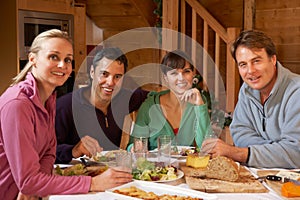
[[246, 182], [274, 185]]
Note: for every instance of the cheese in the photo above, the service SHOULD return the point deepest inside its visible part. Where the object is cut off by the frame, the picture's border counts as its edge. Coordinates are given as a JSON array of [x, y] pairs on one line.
[[196, 161], [290, 189]]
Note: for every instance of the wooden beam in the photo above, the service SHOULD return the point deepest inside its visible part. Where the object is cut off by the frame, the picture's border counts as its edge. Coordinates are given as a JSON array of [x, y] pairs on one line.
[[232, 74], [205, 53], [183, 24], [249, 14], [217, 66], [170, 21], [194, 36]]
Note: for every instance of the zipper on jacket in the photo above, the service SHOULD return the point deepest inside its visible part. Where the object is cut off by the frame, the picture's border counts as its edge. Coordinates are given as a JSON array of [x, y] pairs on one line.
[[263, 120], [263, 124], [106, 122]]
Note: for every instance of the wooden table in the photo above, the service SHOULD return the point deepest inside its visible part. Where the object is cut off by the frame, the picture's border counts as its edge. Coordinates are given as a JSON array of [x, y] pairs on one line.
[[232, 196]]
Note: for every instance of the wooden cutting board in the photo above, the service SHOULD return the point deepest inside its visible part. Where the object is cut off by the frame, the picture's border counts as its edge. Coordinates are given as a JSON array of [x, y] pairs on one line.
[[245, 184], [274, 185]]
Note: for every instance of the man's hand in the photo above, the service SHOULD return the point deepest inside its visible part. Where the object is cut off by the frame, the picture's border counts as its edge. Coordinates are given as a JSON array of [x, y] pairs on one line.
[[86, 146], [217, 147]]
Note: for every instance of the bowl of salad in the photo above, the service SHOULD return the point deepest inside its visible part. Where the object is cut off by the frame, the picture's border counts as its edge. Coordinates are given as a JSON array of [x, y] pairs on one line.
[[146, 170]]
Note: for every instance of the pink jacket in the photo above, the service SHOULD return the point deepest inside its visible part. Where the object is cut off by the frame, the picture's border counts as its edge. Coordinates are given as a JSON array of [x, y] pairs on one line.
[[28, 145]]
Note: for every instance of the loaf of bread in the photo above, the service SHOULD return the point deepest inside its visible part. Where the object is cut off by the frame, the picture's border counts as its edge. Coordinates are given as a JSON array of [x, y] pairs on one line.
[[223, 168], [222, 174]]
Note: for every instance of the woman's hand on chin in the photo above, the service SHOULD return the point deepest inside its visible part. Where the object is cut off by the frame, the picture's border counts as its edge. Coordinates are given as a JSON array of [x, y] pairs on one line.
[[192, 96]]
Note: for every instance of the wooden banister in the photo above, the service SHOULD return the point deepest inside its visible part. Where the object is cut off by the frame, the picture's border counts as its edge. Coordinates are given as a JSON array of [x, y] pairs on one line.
[[206, 16]]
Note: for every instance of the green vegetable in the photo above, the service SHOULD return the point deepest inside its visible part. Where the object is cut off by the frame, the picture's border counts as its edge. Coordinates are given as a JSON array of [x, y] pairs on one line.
[[148, 171], [143, 164]]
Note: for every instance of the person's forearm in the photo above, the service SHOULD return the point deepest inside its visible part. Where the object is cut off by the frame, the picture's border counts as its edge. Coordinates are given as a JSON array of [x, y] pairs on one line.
[[239, 154]]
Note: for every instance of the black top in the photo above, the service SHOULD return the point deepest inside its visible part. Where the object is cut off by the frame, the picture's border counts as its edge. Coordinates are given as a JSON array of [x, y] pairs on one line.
[[85, 119]]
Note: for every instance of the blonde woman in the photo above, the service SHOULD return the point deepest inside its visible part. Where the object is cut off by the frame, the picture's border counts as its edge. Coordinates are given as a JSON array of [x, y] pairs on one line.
[[27, 133]]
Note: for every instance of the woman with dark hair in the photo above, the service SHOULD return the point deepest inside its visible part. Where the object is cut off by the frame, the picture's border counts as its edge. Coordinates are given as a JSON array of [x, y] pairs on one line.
[[179, 112]]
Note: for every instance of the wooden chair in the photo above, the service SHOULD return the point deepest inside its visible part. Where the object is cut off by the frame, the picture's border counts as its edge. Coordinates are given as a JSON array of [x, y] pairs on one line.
[[127, 129]]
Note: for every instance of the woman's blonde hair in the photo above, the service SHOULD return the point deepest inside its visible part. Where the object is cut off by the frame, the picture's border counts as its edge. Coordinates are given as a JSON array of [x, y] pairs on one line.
[[36, 47]]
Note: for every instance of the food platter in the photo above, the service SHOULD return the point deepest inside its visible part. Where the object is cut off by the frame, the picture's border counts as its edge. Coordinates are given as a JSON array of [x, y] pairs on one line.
[[79, 169], [159, 190]]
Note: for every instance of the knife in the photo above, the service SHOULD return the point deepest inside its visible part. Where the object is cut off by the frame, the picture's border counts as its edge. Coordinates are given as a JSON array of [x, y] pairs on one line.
[[284, 180], [279, 178], [88, 163]]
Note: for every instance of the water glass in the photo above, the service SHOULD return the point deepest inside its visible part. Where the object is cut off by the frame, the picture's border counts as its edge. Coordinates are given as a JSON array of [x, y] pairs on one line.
[[140, 145], [214, 132], [124, 161], [164, 148]]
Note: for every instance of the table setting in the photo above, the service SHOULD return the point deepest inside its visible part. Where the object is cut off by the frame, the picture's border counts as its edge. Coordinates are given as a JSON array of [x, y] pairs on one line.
[[163, 171]]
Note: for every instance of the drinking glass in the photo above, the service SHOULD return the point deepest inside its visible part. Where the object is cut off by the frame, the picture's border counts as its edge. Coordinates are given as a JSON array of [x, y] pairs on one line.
[[140, 145], [124, 161], [164, 148]]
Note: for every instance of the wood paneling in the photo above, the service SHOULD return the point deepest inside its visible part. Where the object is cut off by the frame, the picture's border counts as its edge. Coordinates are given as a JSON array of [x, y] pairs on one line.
[[281, 21], [58, 6], [124, 22], [79, 36], [276, 4], [121, 14], [8, 39], [116, 10], [229, 13], [289, 53]]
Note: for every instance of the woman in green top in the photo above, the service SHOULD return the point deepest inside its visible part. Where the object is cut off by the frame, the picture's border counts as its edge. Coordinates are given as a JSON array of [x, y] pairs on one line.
[[179, 111]]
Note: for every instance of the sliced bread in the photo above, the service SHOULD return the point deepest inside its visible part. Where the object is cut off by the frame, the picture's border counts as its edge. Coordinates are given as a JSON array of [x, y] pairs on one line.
[[223, 168]]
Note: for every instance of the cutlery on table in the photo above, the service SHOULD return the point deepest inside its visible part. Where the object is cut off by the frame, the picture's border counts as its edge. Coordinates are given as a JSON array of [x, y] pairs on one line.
[[278, 178]]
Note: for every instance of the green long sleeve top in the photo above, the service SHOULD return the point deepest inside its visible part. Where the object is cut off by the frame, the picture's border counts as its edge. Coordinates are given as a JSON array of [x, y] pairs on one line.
[[151, 123]]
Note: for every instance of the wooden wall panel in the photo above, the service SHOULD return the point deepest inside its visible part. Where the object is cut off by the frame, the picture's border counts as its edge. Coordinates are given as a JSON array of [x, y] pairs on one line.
[[8, 39], [276, 4], [289, 54], [281, 21], [229, 13]]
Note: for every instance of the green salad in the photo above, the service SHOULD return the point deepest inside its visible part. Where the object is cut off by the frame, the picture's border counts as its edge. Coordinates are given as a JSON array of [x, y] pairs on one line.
[[153, 171]]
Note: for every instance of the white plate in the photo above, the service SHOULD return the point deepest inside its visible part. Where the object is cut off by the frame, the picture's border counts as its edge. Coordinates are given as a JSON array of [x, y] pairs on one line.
[[62, 165], [102, 153], [160, 189], [179, 174], [179, 150]]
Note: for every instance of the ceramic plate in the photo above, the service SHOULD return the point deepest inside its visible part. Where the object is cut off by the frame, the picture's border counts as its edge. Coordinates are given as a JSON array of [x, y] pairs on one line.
[[160, 189]]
